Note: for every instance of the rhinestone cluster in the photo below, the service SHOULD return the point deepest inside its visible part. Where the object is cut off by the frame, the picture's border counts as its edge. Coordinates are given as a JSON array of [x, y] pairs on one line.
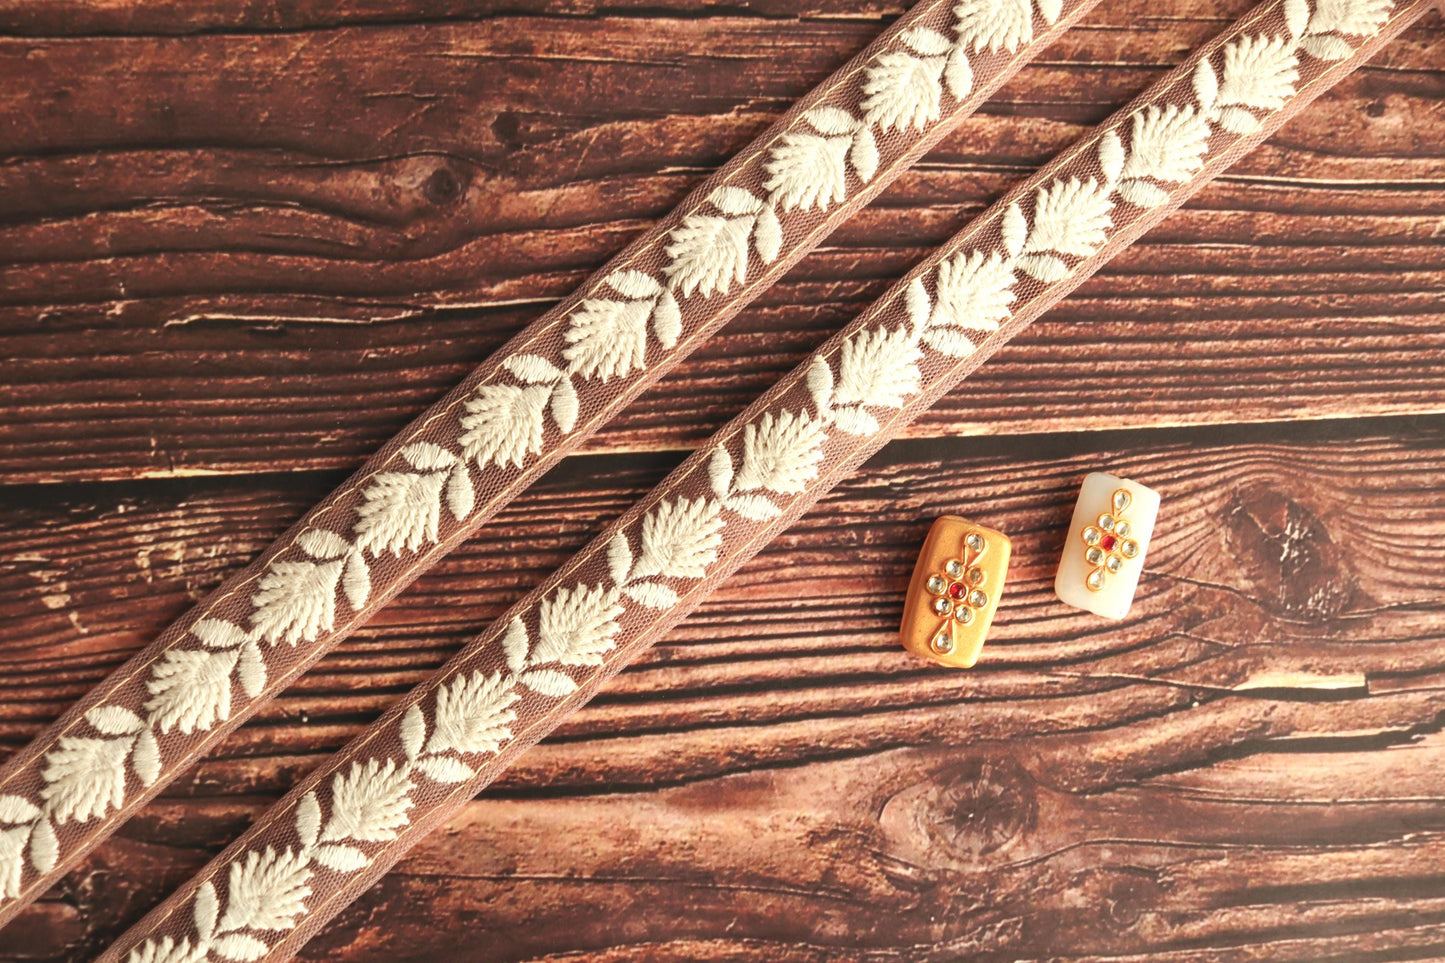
[[956, 593], [1107, 545]]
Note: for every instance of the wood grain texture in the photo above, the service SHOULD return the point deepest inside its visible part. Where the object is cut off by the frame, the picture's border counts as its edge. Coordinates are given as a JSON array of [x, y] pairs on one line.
[[240, 243]]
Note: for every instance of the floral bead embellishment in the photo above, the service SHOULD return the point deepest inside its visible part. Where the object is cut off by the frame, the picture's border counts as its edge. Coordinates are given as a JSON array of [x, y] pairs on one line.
[[1107, 545], [955, 591]]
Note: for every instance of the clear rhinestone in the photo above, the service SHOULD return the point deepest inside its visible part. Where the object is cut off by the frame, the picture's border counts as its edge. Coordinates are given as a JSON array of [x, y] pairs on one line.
[[1114, 563], [1122, 501], [977, 599], [1091, 536], [936, 585], [1095, 581], [1121, 528], [974, 541], [1106, 522], [943, 642], [963, 615], [1094, 556], [942, 606], [953, 567], [1130, 548], [975, 576]]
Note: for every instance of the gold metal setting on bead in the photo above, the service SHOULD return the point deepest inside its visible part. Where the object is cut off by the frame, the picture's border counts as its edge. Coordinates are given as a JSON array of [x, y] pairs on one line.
[[954, 591]]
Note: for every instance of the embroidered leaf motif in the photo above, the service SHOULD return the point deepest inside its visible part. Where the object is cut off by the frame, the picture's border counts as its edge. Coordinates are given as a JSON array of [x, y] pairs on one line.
[[1167, 144], [680, 539], [12, 859], [356, 579], [1358, 18], [951, 342], [1070, 216], [240, 947], [720, 472], [308, 820], [413, 732], [205, 910], [958, 73], [296, 601], [709, 253], [368, 803], [399, 511], [1206, 85], [190, 689], [445, 769], [473, 714], [424, 456], [918, 303], [768, 235], [855, 420], [753, 507], [652, 595], [902, 91], [85, 777], [549, 682], [878, 367], [975, 292], [114, 720], [1014, 230], [928, 42], [515, 644], [577, 625], [831, 120], [321, 544], [607, 338], [564, 413], [666, 323], [343, 859], [619, 558], [504, 424], [780, 453], [1110, 153], [167, 950], [267, 891], [253, 670], [145, 759], [807, 171], [634, 284], [1259, 73], [44, 847], [17, 809], [820, 386], [734, 201], [994, 25], [218, 634]]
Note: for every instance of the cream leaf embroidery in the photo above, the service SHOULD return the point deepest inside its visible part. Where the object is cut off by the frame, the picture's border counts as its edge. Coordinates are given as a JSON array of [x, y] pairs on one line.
[[878, 367], [342, 858], [975, 292], [85, 777], [680, 539], [241, 947], [399, 511], [549, 682], [1071, 216], [1259, 74], [780, 453], [44, 847], [1358, 18], [474, 714], [607, 338], [446, 770], [902, 91], [267, 891], [308, 825], [167, 950], [17, 809], [191, 689], [709, 253], [807, 171], [296, 601], [994, 25], [12, 859], [504, 424], [652, 595], [114, 720], [1167, 144], [577, 625], [368, 803]]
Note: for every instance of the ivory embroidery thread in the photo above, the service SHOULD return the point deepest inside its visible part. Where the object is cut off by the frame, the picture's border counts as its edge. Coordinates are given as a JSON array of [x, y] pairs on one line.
[[767, 466]]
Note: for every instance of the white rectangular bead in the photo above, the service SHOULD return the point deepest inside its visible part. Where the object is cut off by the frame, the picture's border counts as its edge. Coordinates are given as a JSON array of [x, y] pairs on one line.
[[1115, 594]]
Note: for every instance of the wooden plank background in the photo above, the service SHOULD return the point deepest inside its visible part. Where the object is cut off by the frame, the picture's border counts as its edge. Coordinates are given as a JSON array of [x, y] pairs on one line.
[[243, 242]]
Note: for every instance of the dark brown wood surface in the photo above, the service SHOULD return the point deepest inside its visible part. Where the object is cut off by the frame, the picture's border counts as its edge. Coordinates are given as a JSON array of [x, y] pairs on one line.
[[241, 243]]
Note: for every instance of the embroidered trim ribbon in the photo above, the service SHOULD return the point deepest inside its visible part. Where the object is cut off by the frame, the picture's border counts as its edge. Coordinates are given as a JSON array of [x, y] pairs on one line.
[[510, 421], [352, 818]]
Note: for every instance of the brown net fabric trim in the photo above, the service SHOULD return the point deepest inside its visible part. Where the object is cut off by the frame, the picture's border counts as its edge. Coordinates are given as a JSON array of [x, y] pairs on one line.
[[441, 744], [510, 421]]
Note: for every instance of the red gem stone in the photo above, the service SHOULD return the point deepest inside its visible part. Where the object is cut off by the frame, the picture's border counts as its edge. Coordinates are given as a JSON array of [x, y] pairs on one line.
[[956, 591], [1108, 542]]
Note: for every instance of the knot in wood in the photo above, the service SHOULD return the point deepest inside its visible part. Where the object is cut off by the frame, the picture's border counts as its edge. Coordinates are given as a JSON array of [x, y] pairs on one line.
[[1287, 552], [977, 806]]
